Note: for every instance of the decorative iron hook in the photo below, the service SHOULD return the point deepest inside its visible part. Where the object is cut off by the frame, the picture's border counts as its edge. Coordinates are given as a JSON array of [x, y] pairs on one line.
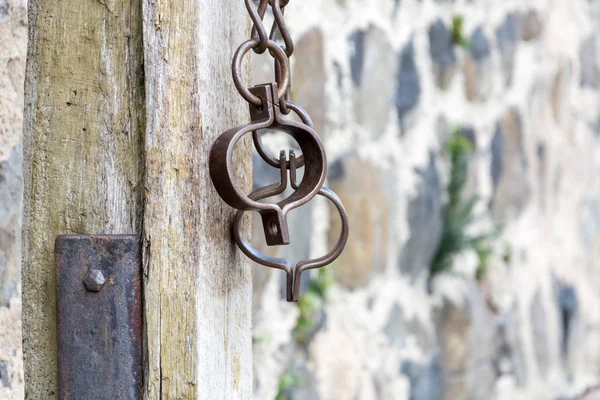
[[293, 274], [274, 215], [268, 105]]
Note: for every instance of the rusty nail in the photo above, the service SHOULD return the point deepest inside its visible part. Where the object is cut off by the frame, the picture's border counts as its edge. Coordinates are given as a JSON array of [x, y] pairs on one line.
[[94, 280]]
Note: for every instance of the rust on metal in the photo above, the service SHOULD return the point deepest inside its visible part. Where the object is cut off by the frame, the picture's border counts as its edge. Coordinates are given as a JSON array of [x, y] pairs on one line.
[[99, 316], [274, 215], [269, 105]]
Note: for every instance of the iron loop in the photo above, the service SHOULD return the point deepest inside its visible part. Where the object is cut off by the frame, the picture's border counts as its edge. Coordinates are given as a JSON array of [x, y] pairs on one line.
[[334, 253], [281, 57], [279, 24], [258, 30], [293, 275], [222, 172], [283, 108], [265, 154]]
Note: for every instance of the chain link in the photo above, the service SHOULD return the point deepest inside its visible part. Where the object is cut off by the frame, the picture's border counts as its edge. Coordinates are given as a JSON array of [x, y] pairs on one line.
[[268, 104], [261, 41], [282, 60]]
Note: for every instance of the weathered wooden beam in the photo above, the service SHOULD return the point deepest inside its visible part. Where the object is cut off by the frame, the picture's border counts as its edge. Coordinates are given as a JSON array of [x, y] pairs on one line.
[[198, 285], [83, 147], [100, 151]]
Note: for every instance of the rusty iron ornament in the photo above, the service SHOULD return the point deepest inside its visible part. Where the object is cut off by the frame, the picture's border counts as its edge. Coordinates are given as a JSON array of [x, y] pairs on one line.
[[293, 275], [269, 104], [223, 176]]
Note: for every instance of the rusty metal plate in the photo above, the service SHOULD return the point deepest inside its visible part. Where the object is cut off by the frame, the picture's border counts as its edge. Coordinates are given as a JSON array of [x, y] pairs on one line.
[[99, 316]]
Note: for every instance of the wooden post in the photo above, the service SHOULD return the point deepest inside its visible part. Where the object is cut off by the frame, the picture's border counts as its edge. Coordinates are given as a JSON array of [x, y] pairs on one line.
[[198, 285], [123, 100], [83, 135]]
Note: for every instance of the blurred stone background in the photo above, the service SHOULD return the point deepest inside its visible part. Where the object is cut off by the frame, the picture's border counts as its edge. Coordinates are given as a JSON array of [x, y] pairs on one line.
[[13, 49], [391, 86], [427, 108]]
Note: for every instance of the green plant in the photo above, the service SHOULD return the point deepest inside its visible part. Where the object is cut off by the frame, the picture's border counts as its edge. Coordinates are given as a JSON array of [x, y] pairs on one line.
[[309, 303], [458, 214], [484, 253], [507, 256], [286, 382], [458, 36], [321, 283], [258, 339]]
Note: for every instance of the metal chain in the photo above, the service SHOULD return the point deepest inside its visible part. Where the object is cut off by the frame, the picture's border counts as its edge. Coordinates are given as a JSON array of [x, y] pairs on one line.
[[261, 41], [268, 104], [257, 15]]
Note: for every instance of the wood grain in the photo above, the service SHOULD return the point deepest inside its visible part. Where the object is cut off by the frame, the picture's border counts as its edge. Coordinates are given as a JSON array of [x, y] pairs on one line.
[[83, 152], [197, 284], [123, 101]]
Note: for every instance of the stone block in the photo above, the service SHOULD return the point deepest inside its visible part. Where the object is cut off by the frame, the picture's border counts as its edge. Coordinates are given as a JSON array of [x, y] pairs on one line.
[[466, 333], [590, 65], [426, 379], [13, 31], [309, 77], [408, 84], [532, 26], [11, 354], [373, 68], [441, 50], [425, 223], [368, 200], [509, 168], [507, 36], [477, 67], [11, 193]]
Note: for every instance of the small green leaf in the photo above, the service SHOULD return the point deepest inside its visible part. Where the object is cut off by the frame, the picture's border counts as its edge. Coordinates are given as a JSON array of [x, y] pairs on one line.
[[458, 36], [459, 212]]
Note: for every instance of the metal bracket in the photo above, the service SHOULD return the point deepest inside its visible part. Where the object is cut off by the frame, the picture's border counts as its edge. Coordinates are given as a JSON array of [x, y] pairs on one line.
[[99, 316]]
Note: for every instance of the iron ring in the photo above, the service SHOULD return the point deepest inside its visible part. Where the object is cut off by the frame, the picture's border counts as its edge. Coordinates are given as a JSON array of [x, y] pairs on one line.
[[278, 54], [293, 275]]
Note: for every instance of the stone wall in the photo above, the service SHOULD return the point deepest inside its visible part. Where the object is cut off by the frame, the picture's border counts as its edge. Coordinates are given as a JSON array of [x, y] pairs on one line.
[[389, 84], [13, 40]]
